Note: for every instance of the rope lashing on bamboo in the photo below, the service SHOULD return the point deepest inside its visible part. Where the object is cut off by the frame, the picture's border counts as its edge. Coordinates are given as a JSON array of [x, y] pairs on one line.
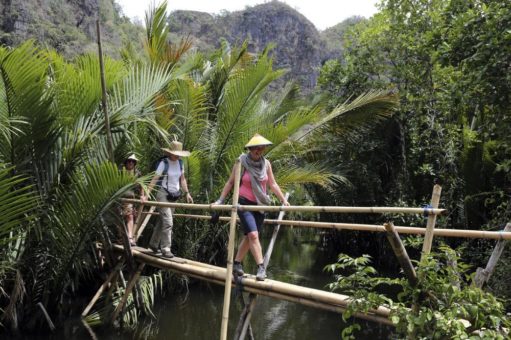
[[427, 209], [482, 234], [272, 208]]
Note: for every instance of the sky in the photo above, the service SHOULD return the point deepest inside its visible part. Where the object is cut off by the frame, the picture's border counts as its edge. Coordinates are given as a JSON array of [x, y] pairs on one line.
[[322, 13]]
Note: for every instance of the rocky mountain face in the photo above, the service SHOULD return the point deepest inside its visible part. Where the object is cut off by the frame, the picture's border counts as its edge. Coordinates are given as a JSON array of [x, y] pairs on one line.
[[69, 26], [299, 46]]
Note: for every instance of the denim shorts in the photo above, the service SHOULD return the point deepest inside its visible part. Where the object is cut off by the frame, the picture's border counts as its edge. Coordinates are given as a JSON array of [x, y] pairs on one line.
[[250, 220]]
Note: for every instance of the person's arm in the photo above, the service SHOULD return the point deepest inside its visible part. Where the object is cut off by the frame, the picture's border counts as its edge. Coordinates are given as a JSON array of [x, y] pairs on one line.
[[150, 187], [227, 188], [274, 186], [184, 186], [156, 177]]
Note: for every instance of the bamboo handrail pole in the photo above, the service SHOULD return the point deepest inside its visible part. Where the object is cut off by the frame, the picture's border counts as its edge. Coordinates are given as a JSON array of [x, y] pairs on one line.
[[482, 234], [483, 275], [230, 251], [140, 229], [267, 285], [269, 251], [273, 208], [401, 254], [127, 292], [102, 288], [247, 315], [430, 227]]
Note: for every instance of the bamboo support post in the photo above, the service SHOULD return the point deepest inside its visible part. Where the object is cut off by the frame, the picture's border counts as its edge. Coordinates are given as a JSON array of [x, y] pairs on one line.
[[230, 251], [129, 287], [401, 254], [481, 234], [110, 144], [102, 288], [313, 209], [430, 226], [246, 315], [483, 275]]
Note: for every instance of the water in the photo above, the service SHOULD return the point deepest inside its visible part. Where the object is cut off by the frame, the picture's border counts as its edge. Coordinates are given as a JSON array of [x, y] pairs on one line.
[[297, 258]]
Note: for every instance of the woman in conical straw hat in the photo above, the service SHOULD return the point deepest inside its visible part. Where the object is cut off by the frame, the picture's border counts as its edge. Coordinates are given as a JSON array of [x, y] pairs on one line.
[[256, 176], [170, 179]]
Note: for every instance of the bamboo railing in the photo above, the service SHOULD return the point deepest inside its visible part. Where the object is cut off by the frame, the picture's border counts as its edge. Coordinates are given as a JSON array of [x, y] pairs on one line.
[[285, 291], [482, 234], [313, 209]]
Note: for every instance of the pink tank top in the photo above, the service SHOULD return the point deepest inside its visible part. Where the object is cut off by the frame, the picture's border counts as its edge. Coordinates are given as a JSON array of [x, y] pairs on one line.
[[246, 186]]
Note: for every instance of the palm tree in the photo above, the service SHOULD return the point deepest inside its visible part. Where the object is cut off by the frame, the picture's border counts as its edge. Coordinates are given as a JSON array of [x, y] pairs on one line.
[[52, 135]]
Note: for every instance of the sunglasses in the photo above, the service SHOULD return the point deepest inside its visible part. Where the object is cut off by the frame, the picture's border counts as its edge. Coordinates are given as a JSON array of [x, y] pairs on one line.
[[258, 148]]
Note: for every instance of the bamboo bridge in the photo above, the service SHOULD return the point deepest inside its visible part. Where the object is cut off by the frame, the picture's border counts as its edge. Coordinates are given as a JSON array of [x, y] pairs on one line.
[[281, 290]]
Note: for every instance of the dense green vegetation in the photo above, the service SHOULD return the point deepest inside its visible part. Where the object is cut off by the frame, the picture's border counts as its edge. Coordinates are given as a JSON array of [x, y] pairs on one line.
[[441, 68], [443, 305], [446, 59], [60, 192]]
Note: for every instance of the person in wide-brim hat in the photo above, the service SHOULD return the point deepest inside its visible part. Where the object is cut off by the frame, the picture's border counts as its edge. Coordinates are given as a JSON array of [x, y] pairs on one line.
[[171, 183], [176, 148], [256, 176]]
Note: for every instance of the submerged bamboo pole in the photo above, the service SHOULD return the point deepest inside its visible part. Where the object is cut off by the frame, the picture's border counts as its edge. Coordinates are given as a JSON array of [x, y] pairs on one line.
[[127, 292], [482, 234], [102, 288], [314, 209], [230, 251], [430, 227], [483, 275], [401, 254]]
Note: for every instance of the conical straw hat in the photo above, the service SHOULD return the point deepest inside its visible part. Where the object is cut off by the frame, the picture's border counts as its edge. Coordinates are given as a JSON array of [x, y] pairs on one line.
[[176, 148], [257, 140]]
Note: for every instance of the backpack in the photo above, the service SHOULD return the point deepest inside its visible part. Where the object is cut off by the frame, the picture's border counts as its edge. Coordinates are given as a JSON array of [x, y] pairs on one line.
[[166, 168]]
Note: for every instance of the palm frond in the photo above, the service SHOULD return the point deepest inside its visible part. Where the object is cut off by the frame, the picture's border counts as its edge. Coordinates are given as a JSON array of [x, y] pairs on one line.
[[17, 202], [366, 109], [78, 215], [190, 111], [241, 98], [307, 174]]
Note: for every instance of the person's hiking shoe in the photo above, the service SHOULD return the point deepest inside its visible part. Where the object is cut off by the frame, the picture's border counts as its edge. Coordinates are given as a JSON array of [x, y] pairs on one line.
[[237, 269], [155, 250], [261, 273], [165, 252]]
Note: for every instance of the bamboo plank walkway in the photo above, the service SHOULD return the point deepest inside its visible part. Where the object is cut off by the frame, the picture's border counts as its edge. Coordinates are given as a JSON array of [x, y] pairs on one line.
[[306, 296]]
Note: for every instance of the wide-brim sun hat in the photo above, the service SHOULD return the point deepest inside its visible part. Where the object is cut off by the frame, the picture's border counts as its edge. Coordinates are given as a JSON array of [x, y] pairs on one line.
[[132, 157], [258, 140], [176, 148]]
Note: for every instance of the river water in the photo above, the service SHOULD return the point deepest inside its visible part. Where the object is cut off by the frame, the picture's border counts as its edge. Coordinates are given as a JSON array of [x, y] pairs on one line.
[[298, 257]]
